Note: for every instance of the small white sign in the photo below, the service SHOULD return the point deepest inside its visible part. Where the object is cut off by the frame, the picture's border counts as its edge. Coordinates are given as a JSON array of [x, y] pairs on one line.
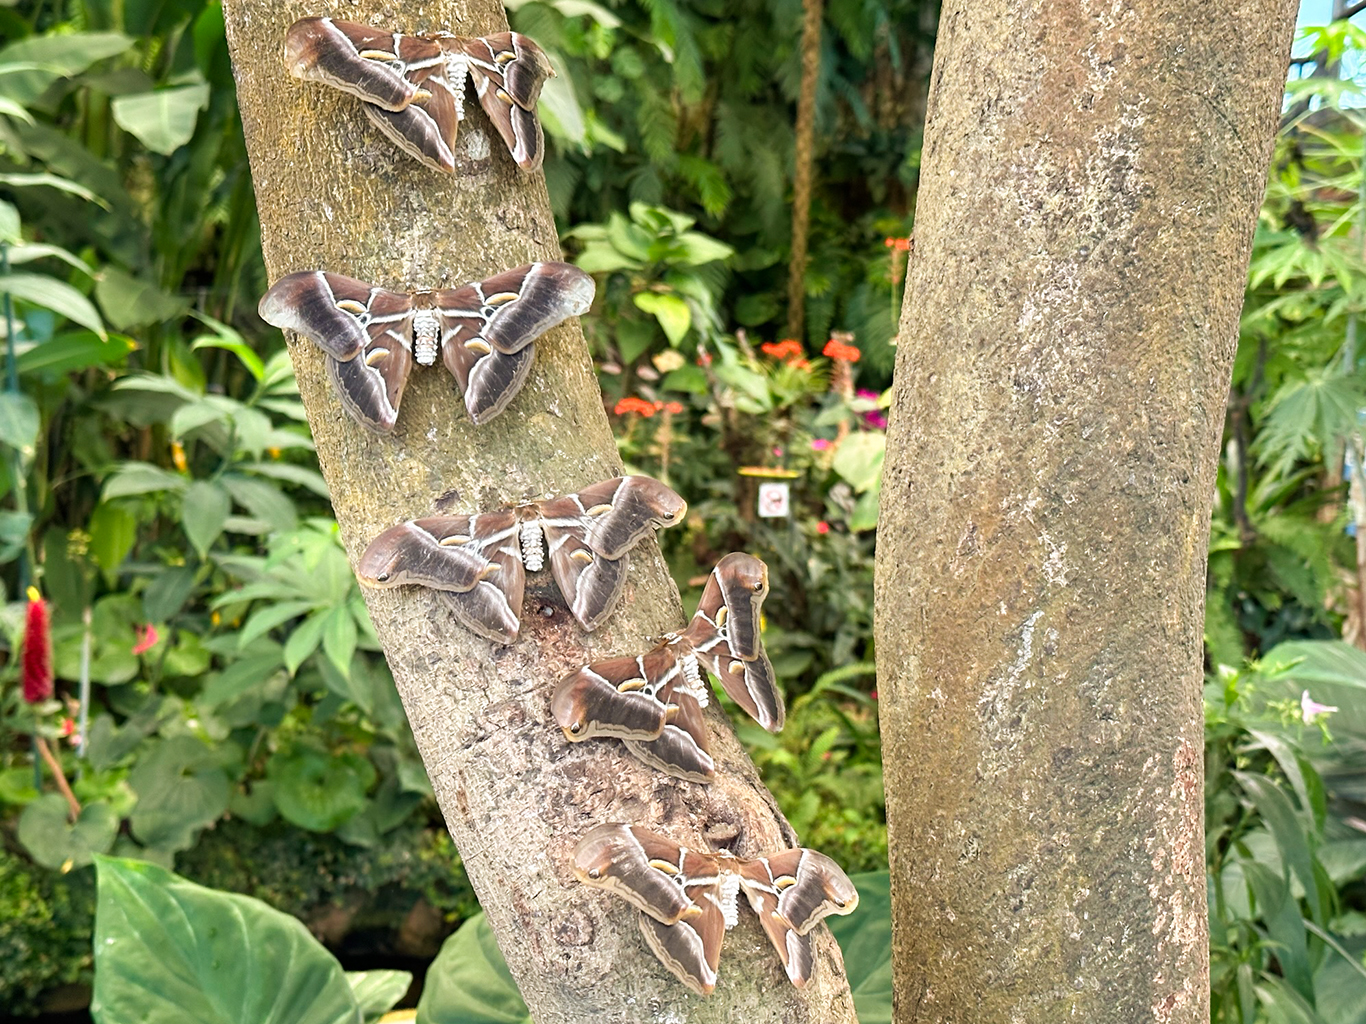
[[774, 500]]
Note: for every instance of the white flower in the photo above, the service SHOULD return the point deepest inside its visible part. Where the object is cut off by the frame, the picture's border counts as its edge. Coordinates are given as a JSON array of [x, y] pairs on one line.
[[1310, 709]]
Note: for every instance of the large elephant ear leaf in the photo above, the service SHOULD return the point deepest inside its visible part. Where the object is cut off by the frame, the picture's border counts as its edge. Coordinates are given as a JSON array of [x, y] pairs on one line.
[[168, 951], [469, 982]]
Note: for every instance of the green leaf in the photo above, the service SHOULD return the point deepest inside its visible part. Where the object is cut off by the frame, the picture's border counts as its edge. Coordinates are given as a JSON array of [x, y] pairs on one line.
[[203, 511], [376, 992], [1284, 925], [14, 530], [316, 790], [240, 677], [46, 831], [339, 638], [51, 181], [55, 295], [858, 460], [141, 478], [52, 56], [181, 788], [168, 951], [128, 302], [865, 939], [263, 500], [19, 422], [673, 313], [168, 592], [229, 340], [304, 640], [469, 982], [76, 350], [699, 248], [164, 120], [113, 531], [9, 223]]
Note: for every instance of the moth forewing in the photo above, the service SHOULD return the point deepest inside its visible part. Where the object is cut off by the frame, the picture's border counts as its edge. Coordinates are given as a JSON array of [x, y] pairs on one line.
[[337, 313], [508, 71], [741, 581], [616, 698], [441, 552], [623, 860], [366, 62], [519, 305]]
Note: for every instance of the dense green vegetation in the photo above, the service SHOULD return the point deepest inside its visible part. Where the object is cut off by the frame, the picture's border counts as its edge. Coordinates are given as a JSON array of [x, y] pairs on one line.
[[158, 483]]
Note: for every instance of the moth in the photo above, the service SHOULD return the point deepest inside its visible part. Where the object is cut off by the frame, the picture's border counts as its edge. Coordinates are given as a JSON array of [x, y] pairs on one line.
[[479, 562], [654, 701], [414, 86], [483, 333], [688, 899]]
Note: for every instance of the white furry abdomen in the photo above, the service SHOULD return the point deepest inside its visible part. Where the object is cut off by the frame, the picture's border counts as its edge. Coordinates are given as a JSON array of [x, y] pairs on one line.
[[426, 333], [533, 546]]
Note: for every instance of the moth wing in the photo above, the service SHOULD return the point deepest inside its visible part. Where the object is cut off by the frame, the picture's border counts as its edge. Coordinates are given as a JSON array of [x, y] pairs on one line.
[[615, 515], [426, 128], [439, 552], [380, 67], [630, 861], [810, 887], [691, 948], [488, 328], [337, 313], [591, 584], [493, 606], [619, 697], [683, 747], [725, 634], [794, 949], [508, 71]]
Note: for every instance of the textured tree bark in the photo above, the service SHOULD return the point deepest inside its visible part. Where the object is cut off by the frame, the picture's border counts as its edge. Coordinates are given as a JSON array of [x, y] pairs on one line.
[[1092, 175], [804, 159], [334, 194]]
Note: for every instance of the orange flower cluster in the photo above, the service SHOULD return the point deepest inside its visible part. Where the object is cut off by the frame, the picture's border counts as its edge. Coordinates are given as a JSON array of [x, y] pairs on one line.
[[841, 352], [642, 407], [899, 244], [788, 348]]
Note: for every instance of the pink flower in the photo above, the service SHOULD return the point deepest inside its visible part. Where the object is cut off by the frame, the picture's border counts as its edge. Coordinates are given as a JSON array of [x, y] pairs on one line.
[[820, 444], [822, 527], [1310, 709], [777, 452], [146, 638]]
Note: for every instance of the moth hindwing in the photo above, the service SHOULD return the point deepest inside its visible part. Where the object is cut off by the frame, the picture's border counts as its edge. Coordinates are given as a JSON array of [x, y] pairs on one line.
[[479, 562], [483, 333], [653, 701], [413, 86], [688, 899]]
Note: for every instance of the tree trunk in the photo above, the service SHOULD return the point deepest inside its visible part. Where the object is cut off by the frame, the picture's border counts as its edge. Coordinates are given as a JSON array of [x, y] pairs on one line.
[[1092, 175], [803, 161], [334, 194]]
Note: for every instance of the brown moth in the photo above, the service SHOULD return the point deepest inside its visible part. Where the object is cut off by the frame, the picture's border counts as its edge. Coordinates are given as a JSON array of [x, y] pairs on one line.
[[483, 333], [480, 561], [688, 899], [414, 86], [654, 701]]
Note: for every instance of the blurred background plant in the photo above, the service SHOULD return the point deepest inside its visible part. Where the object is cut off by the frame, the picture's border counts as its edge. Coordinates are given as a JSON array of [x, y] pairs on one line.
[[159, 486]]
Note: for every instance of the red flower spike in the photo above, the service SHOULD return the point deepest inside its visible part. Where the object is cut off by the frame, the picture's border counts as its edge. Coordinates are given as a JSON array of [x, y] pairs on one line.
[[37, 667], [636, 405]]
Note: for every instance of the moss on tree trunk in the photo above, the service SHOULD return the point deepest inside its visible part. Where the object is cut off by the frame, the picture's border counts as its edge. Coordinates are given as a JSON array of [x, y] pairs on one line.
[[333, 193], [1092, 176]]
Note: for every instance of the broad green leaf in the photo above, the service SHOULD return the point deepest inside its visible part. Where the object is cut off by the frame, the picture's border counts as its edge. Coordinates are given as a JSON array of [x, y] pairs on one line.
[[11, 108], [317, 790], [75, 351], [376, 992], [9, 223], [469, 982], [141, 478], [600, 257], [339, 638], [865, 939], [1317, 661], [240, 677], [181, 788], [164, 120], [19, 422], [231, 341], [560, 111], [113, 531], [267, 617], [700, 248], [1283, 1005], [263, 500], [51, 181], [55, 295], [113, 629], [46, 831], [673, 313], [168, 592], [128, 302], [168, 951], [304, 640], [53, 56], [203, 511], [14, 530], [1288, 829], [858, 460], [1284, 925]]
